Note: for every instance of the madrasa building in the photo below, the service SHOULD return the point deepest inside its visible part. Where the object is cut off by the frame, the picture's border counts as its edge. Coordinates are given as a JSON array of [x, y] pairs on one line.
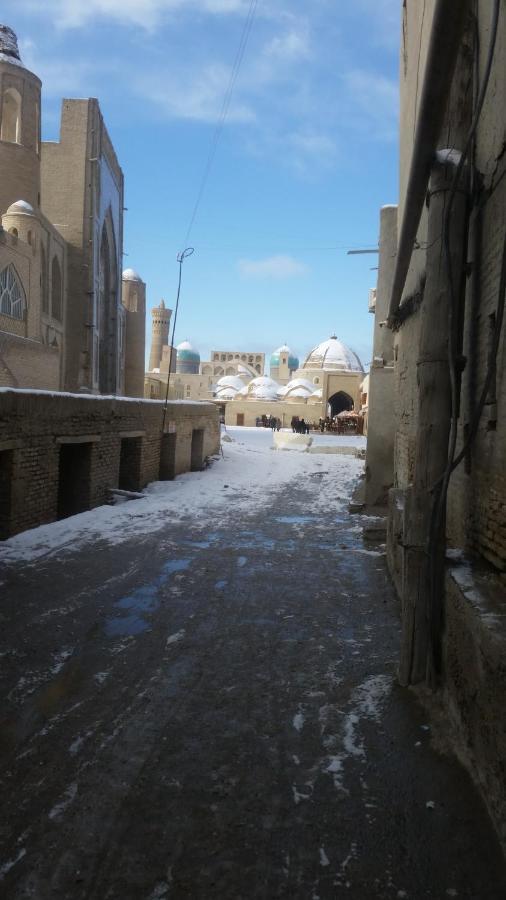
[[328, 383], [69, 320]]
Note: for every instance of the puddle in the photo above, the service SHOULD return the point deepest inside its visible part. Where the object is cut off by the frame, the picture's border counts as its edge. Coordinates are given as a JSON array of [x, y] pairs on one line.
[[125, 625], [220, 585], [143, 600], [241, 561]]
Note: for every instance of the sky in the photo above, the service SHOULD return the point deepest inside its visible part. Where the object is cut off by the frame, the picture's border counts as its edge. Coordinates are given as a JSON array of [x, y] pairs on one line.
[[305, 159]]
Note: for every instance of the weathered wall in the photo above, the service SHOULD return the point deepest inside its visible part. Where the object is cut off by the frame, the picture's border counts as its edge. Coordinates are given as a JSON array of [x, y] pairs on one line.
[[381, 425], [34, 426], [475, 610]]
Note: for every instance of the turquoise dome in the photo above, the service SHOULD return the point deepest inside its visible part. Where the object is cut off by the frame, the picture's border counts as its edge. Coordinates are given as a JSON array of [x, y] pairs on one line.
[[293, 362], [186, 353]]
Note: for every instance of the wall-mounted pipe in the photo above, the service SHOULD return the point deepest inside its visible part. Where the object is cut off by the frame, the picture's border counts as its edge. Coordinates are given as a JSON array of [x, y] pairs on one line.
[[446, 34]]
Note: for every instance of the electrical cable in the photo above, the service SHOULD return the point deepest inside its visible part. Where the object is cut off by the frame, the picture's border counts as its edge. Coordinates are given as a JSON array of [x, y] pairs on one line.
[[223, 113]]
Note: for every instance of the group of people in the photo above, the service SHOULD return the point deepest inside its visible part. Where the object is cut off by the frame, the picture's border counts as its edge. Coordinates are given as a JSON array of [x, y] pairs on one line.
[[299, 426], [268, 422]]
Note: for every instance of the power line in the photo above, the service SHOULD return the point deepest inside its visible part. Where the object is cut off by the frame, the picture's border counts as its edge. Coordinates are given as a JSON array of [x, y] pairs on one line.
[[223, 114]]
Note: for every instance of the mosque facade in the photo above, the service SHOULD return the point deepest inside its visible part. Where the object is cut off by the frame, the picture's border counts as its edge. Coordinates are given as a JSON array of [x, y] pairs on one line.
[[69, 320]]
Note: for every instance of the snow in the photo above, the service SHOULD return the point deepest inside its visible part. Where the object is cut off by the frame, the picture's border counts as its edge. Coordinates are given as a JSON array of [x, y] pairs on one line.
[[99, 397], [250, 469], [448, 155]]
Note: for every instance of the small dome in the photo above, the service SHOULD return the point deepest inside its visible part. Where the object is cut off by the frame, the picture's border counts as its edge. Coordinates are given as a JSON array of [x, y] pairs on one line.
[[293, 362], [303, 383], [187, 353], [9, 51], [131, 275], [230, 381], [262, 388], [227, 393], [20, 208], [333, 355]]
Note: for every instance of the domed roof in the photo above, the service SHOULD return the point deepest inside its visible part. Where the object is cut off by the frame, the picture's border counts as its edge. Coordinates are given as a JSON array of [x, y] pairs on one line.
[[20, 208], [230, 381], [293, 362], [262, 388], [186, 352], [333, 355], [131, 275], [9, 51]]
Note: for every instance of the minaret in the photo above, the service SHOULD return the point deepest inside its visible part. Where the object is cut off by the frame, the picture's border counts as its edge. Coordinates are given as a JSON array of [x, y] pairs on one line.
[[159, 334], [133, 296], [19, 127]]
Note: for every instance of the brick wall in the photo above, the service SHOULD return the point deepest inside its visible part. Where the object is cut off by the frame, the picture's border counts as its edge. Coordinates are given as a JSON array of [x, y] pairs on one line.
[[35, 426]]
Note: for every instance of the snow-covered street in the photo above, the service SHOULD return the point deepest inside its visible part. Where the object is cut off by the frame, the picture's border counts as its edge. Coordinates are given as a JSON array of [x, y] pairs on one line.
[[199, 701]]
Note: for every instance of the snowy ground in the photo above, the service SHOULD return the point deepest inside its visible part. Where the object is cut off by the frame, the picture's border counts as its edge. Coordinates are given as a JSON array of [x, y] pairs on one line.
[[248, 473]]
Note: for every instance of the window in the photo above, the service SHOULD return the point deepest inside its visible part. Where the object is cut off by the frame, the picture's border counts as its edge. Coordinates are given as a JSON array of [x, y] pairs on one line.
[[44, 296], [56, 290], [11, 116], [316, 381], [12, 295]]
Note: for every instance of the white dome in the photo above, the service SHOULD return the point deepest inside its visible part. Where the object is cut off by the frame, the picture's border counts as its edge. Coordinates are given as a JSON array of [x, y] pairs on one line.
[[300, 383], [226, 393], [232, 381], [20, 208], [262, 388], [333, 355], [131, 275]]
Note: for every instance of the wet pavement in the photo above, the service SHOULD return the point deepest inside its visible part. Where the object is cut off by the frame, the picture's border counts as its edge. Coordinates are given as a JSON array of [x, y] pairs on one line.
[[211, 711]]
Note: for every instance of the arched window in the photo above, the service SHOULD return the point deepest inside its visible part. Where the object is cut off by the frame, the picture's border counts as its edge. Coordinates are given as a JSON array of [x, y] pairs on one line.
[[44, 296], [12, 295], [56, 290], [11, 116]]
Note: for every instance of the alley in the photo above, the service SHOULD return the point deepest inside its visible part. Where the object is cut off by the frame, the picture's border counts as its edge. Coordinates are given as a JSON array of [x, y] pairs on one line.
[[199, 700]]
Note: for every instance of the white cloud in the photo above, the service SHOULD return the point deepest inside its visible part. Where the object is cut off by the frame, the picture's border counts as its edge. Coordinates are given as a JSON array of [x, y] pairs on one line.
[[196, 95], [144, 13], [374, 103], [292, 46], [278, 267]]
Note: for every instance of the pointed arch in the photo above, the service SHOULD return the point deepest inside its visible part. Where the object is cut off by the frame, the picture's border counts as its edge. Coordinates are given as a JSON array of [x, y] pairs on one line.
[[11, 116], [44, 293], [12, 295], [107, 309], [56, 290]]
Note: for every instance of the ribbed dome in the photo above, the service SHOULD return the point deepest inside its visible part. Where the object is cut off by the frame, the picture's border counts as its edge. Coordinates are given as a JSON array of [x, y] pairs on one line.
[[131, 275], [293, 362], [186, 352], [333, 355], [9, 51]]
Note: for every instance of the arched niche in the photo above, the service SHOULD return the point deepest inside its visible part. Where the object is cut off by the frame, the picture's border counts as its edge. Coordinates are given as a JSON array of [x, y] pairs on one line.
[[339, 402], [10, 129]]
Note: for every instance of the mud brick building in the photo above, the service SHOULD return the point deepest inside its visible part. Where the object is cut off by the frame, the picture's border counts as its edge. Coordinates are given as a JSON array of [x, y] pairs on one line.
[[61, 454], [442, 302]]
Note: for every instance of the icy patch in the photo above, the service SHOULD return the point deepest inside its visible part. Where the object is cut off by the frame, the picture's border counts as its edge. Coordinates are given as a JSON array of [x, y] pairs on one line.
[[324, 860], [241, 561], [68, 798], [174, 638], [5, 869], [60, 660], [298, 721], [100, 677]]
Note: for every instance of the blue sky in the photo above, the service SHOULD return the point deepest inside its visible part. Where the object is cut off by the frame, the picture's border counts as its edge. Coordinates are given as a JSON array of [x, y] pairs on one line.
[[307, 156]]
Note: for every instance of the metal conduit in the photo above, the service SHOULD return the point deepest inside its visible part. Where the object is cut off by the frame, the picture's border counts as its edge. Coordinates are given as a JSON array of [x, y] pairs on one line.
[[446, 33]]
